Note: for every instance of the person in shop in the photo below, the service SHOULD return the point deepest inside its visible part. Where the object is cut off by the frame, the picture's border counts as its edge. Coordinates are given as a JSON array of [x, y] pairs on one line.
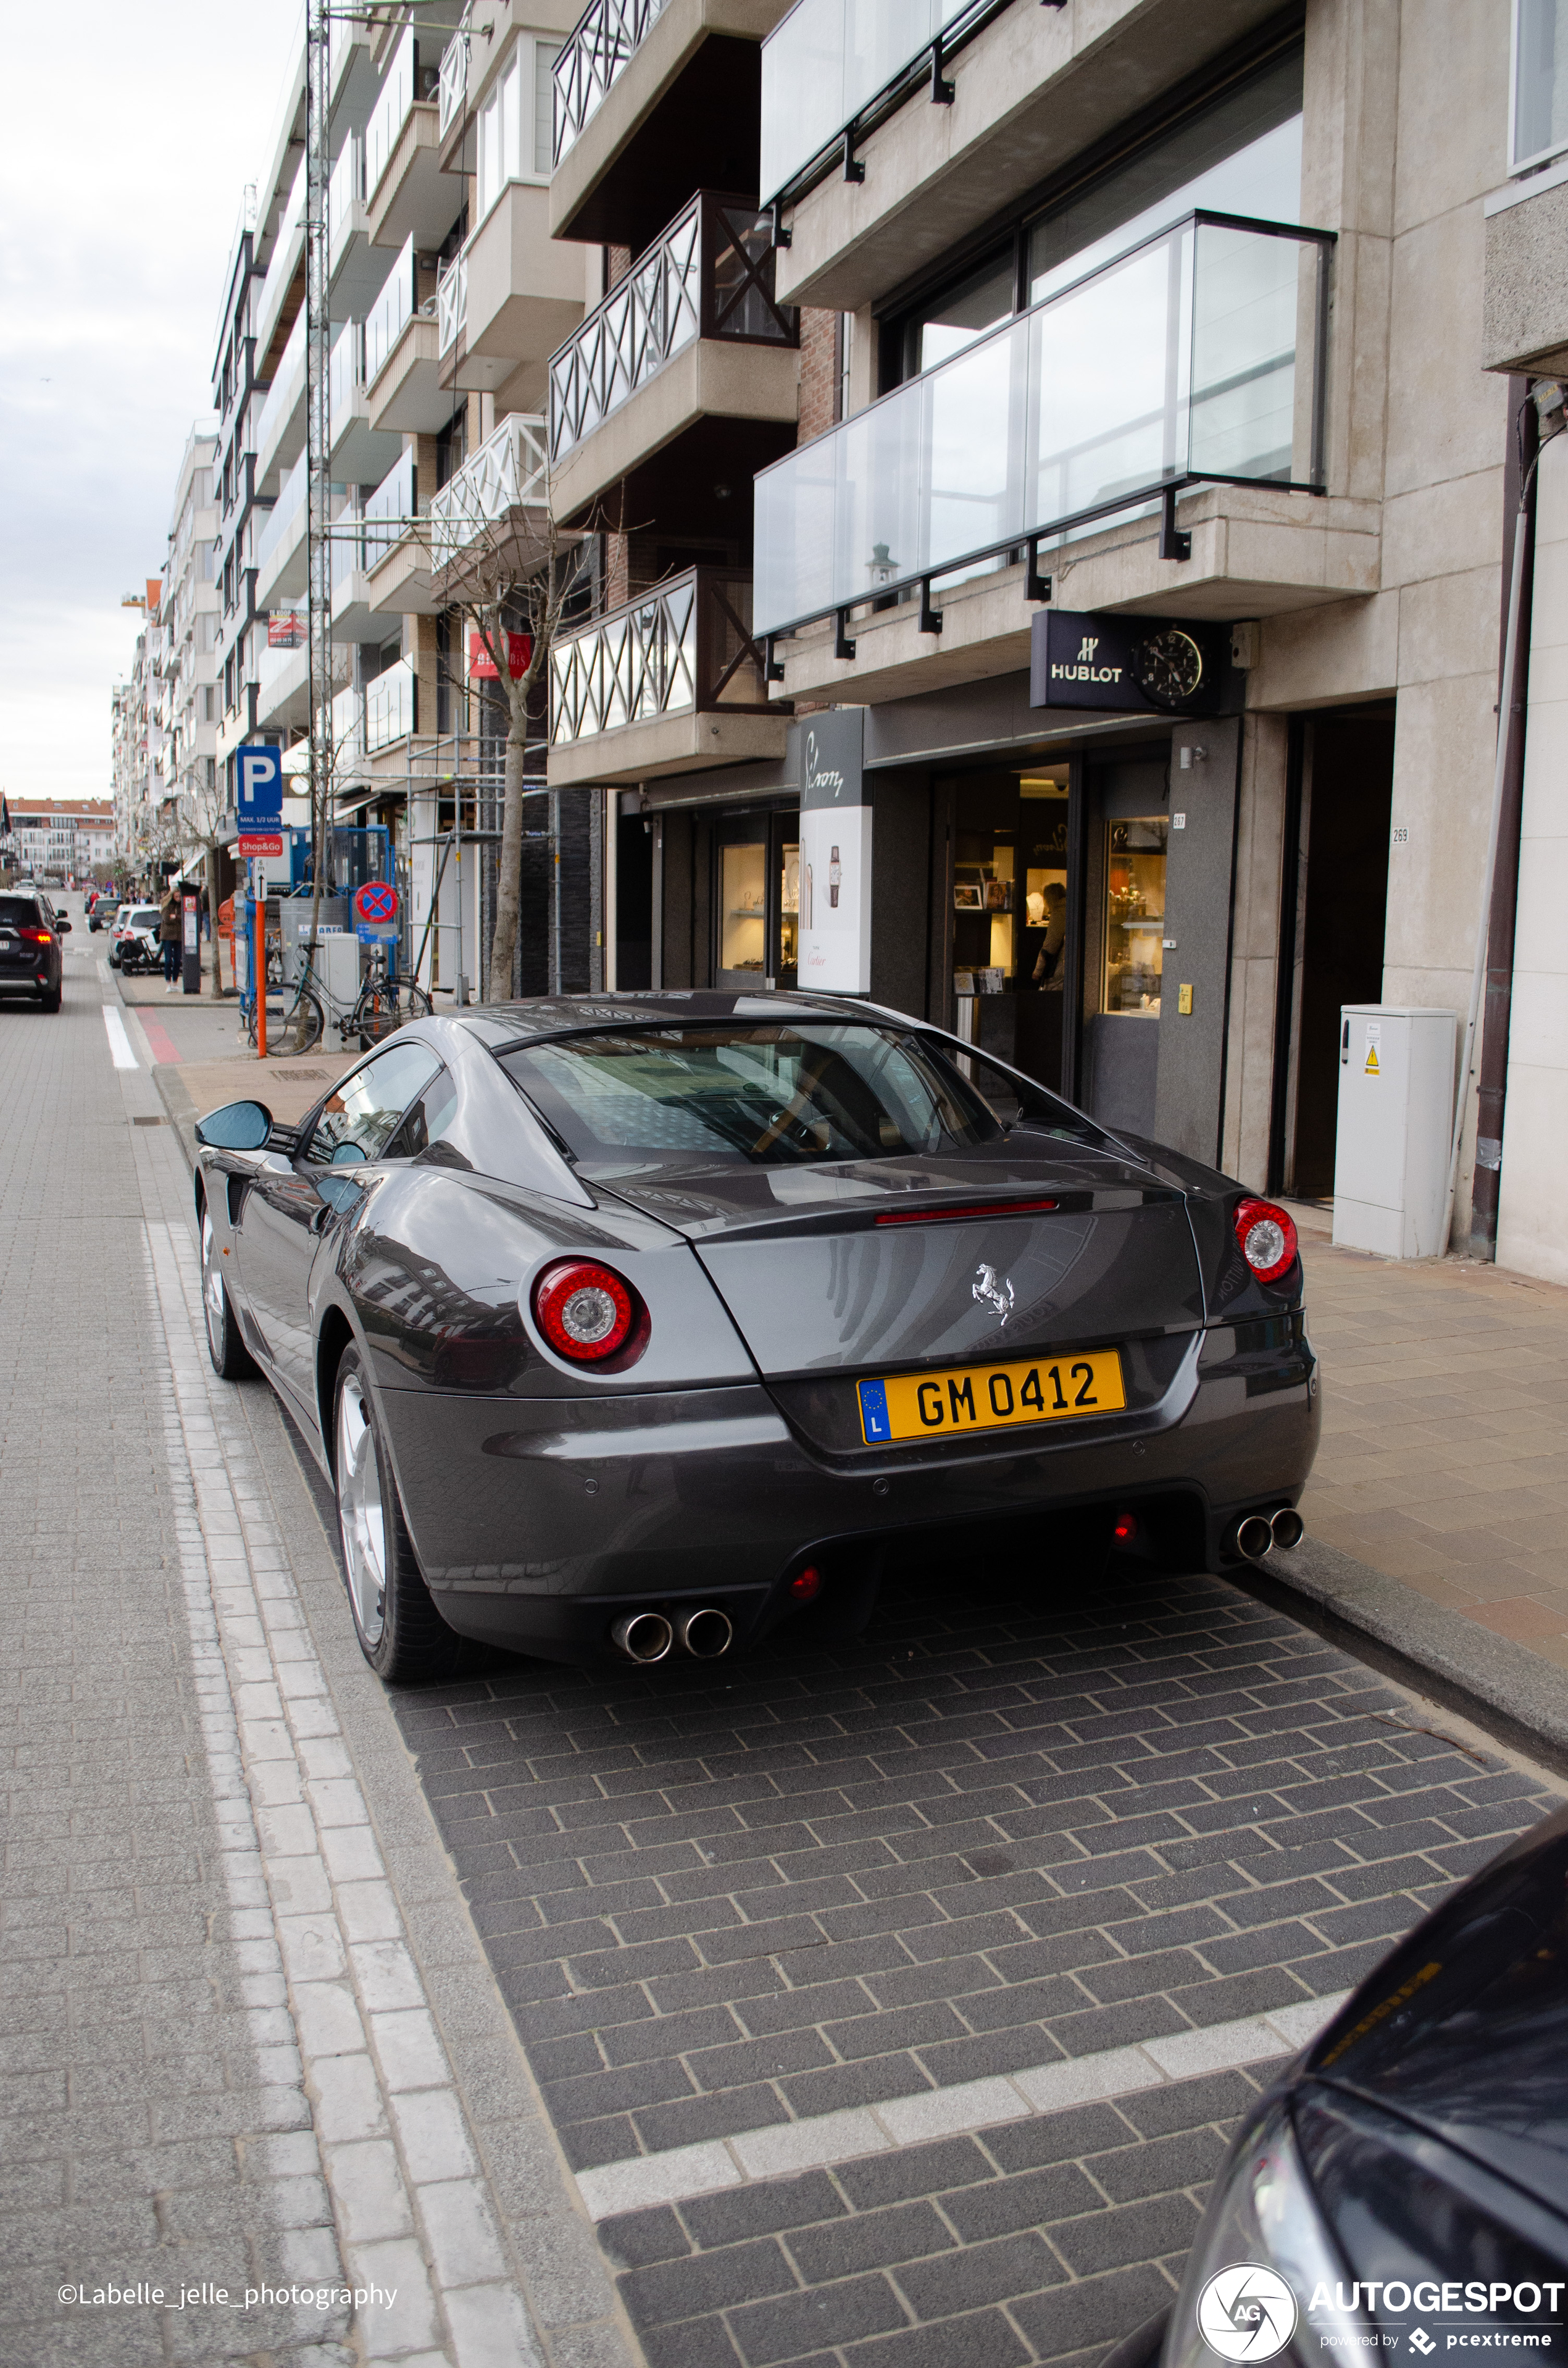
[[1047, 973]]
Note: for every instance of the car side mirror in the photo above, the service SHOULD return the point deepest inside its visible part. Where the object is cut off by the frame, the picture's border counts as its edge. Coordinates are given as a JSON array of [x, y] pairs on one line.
[[64, 925], [237, 1126]]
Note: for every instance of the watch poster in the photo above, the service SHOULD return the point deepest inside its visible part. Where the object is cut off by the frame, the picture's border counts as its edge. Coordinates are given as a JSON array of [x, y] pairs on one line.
[[836, 854], [1139, 666]]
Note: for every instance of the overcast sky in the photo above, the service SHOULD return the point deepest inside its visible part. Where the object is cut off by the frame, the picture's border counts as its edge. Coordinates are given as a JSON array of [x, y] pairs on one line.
[[130, 133]]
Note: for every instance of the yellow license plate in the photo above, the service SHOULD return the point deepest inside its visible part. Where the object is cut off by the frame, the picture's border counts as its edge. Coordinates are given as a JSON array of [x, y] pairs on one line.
[[990, 1397]]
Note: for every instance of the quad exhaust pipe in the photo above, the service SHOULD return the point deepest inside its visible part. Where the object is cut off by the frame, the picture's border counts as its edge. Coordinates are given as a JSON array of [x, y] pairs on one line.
[[1257, 1534], [704, 1632]]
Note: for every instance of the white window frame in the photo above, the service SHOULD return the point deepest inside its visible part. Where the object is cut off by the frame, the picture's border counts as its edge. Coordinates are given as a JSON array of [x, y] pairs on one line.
[[1517, 164], [515, 124]]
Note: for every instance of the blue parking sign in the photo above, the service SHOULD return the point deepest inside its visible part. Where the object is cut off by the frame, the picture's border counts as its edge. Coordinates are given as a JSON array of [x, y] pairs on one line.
[[258, 773]]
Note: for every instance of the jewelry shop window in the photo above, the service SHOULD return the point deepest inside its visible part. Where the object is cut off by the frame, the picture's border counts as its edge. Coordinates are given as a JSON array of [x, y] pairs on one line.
[[1134, 914]]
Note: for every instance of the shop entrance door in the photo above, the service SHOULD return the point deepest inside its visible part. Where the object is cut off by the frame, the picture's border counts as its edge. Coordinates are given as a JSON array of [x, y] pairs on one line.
[[1335, 912], [756, 900], [1127, 828]]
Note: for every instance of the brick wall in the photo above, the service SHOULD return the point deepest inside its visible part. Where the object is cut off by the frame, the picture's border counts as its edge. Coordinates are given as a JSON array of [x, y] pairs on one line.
[[819, 372]]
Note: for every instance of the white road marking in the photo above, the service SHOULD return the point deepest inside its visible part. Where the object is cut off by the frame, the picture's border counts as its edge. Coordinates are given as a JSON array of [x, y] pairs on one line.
[[119, 1048], [641, 2181]]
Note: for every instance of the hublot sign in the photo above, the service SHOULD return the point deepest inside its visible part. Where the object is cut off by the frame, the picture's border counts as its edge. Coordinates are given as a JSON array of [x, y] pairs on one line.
[[1139, 666]]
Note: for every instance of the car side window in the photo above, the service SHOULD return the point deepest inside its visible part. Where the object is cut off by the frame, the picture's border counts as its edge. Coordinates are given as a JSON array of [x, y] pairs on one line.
[[359, 1118], [428, 1120]]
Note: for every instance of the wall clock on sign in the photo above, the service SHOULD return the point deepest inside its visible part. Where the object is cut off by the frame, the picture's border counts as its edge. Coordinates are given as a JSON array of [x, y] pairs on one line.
[[1168, 667]]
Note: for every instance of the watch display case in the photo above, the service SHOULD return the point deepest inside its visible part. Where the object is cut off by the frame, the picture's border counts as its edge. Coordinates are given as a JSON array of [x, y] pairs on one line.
[[1134, 934]]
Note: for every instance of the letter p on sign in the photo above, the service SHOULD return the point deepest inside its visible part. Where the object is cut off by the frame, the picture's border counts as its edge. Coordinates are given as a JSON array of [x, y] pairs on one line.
[[261, 785]]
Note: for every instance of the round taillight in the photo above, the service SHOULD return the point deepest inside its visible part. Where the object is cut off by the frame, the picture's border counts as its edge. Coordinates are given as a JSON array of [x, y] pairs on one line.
[[1268, 1238], [585, 1311]]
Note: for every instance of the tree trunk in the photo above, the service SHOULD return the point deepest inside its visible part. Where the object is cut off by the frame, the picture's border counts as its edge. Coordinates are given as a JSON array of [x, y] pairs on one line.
[[508, 884]]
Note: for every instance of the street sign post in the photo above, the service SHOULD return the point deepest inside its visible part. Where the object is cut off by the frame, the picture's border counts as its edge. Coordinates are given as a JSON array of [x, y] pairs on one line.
[[258, 804], [375, 912]]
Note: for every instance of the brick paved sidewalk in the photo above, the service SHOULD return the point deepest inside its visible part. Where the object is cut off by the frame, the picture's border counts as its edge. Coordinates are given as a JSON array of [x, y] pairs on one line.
[[1444, 1460]]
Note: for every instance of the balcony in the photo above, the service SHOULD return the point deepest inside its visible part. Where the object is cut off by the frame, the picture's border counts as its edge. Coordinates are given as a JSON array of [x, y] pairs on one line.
[[1196, 358], [650, 96], [360, 454], [402, 381], [878, 183], [288, 258], [391, 706], [453, 94], [281, 426], [358, 269], [664, 684], [406, 194], [280, 545], [397, 554], [493, 515], [507, 300], [690, 337]]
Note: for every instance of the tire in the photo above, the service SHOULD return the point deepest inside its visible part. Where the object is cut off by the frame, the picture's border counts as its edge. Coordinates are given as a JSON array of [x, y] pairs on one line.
[[306, 1026], [379, 1014], [401, 1633], [49, 1000], [232, 1360]]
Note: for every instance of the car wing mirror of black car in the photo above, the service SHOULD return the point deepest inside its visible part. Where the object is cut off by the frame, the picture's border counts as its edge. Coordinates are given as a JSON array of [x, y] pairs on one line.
[[237, 1126], [64, 925]]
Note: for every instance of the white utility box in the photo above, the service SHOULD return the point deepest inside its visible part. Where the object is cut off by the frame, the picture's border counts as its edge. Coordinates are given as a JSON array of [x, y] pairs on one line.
[[338, 965], [1396, 1115]]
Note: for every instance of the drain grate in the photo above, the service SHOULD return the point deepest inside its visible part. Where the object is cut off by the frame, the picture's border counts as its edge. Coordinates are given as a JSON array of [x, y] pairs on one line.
[[149, 1121]]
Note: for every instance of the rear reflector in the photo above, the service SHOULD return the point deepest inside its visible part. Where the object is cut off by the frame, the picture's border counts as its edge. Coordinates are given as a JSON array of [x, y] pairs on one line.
[[970, 1209], [1124, 1528], [807, 1585]]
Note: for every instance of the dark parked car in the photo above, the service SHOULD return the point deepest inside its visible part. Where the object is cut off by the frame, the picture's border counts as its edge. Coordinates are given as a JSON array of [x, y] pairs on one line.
[[1405, 2188], [31, 959], [627, 1321]]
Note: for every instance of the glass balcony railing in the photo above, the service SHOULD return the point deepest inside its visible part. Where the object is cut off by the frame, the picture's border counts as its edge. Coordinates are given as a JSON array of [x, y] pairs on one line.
[[286, 519], [710, 275], [824, 63], [596, 56], [509, 471], [391, 112], [390, 703], [389, 510], [685, 646], [1198, 357], [348, 729], [347, 542], [345, 379], [286, 389], [344, 190], [390, 313]]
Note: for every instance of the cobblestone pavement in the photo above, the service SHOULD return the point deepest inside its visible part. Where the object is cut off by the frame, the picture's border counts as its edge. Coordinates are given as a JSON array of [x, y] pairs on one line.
[[261, 2102], [893, 2003]]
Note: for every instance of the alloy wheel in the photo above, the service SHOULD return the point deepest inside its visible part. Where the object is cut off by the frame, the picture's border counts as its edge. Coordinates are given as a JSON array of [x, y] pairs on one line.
[[360, 1513], [212, 1290]]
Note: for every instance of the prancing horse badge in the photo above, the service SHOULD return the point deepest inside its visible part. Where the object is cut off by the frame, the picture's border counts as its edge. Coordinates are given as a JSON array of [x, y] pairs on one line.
[[993, 1291]]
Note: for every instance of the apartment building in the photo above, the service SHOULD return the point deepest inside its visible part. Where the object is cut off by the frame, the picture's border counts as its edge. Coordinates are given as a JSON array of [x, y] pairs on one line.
[[138, 739], [1116, 674], [58, 842], [189, 620]]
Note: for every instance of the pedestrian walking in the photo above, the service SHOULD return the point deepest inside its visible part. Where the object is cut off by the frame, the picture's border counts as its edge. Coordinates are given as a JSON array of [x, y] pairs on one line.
[[169, 937]]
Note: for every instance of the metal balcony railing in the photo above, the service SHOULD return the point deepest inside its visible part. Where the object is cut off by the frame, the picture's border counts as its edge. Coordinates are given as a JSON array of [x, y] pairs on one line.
[[596, 54], [685, 646], [1196, 358], [454, 75], [509, 471], [451, 303], [708, 275]]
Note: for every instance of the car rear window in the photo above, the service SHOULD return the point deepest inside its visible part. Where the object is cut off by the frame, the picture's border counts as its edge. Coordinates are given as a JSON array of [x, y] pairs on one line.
[[778, 1095], [144, 917], [20, 913]]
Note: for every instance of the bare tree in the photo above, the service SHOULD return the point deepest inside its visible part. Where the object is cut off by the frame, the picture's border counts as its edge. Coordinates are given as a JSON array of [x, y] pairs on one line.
[[202, 810]]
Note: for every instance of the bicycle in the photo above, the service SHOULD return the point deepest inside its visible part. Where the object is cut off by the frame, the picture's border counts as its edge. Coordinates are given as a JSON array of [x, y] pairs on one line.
[[386, 1001]]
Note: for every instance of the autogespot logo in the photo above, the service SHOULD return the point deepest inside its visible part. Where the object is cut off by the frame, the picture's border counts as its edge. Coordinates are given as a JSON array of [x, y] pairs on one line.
[[1246, 2312]]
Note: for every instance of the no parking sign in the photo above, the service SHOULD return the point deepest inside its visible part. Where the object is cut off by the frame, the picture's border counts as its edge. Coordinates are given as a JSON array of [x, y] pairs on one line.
[[375, 911]]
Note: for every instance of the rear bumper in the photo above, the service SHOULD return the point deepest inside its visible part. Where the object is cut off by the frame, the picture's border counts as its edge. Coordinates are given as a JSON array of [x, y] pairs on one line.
[[538, 1520]]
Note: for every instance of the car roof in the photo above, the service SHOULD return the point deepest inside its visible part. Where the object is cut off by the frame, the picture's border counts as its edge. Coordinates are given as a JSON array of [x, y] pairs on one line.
[[555, 1015]]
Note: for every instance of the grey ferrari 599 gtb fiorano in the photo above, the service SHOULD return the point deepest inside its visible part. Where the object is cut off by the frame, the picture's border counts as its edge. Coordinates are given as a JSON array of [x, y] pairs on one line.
[[645, 1322]]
